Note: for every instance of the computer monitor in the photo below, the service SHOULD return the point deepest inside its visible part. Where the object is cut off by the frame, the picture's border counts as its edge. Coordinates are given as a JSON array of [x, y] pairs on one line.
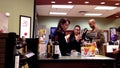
[[113, 34], [52, 31]]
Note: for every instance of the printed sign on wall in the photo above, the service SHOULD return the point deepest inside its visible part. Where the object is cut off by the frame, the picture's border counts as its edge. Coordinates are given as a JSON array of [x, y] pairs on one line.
[[25, 26]]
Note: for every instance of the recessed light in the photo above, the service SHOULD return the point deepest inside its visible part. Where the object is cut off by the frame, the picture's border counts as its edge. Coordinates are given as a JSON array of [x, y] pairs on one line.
[[102, 3], [93, 14], [104, 8], [117, 16], [63, 6], [58, 13], [53, 2], [117, 3], [86, 2], [69, 2]]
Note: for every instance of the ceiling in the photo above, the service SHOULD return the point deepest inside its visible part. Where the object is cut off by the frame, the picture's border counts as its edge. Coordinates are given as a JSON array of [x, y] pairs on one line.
[[43, 7]]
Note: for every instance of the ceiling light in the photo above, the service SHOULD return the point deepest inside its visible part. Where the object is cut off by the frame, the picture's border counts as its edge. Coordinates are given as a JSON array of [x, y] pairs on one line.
[[69, 2], [58, 13], [102, 3], [63, 6], [86, 2], [117, 16], [93, 14], [117, 3], [53, 2], [104, 8]]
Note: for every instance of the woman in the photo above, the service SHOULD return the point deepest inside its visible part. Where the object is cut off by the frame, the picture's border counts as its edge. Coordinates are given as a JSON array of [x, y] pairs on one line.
[[75, 39], [60, 35]]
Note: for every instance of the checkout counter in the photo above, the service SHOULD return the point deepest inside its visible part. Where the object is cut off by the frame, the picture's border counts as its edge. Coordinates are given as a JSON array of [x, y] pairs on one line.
[[98, 61]]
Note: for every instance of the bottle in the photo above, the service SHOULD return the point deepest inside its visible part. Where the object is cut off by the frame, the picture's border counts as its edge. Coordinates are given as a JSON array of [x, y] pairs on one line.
[[17, 54], [24, 44], [17, 59], [56, 50], [96, 51], [48, 50]]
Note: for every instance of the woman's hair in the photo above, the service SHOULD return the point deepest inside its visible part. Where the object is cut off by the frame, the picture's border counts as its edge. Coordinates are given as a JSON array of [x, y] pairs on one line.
[[61, 22], [77, 26], [72, 34]]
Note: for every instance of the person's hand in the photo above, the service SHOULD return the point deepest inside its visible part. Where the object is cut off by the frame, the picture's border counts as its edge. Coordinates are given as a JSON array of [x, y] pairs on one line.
[[115, 51], [67, 37], [78, 37]]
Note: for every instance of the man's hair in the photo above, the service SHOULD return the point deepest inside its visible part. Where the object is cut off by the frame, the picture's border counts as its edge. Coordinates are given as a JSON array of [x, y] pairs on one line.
[[118, 29], [92, 20]]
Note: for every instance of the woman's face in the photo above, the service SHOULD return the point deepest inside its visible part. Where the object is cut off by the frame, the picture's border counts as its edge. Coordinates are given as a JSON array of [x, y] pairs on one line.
[[76, 30], [65, 26]]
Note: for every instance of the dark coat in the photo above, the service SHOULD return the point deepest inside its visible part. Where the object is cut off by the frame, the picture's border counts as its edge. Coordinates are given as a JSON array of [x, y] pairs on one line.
[[60, 37], [74, 45]]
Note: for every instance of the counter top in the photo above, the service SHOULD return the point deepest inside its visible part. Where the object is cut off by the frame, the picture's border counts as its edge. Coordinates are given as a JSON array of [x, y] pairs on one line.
[[97, 57], [97, 61]]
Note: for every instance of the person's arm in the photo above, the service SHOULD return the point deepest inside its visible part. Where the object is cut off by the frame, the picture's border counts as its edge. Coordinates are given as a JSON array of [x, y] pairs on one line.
[[100, 37], [116, 51], [67, 37]]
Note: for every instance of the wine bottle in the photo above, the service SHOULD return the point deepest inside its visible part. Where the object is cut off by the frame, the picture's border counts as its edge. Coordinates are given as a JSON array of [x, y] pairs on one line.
[[17, 59], [24, 44], [48, 49], [56, 50]]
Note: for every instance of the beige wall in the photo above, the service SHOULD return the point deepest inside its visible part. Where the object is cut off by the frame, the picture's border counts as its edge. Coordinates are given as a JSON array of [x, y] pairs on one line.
[[17, 8], [103, 23]]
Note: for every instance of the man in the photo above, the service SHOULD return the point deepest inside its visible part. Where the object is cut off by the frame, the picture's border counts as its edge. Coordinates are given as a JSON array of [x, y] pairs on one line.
[[118, 33], [117, 51], [99, 36], [118, 38]]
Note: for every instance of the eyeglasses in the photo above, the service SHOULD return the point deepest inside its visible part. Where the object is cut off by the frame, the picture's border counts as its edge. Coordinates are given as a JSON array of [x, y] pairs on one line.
[[77, 29]]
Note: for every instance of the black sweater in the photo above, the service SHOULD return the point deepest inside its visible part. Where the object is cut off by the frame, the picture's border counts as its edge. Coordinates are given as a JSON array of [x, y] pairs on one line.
[[74, 45], [60, 37]]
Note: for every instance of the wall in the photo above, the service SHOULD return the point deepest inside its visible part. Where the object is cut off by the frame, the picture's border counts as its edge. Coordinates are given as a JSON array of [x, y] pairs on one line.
[[17, 8], [103, 23]]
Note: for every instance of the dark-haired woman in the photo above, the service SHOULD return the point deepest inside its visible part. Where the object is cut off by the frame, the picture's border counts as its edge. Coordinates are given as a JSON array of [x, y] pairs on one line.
[[60, 35], [75, 39]]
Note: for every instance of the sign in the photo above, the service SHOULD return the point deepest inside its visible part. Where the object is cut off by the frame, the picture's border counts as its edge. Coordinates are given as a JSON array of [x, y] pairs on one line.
[[25, 26]]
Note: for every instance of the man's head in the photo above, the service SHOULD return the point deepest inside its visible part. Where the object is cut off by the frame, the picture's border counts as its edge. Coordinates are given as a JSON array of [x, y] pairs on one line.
[[118, 29], [118, 33], [92, 23]]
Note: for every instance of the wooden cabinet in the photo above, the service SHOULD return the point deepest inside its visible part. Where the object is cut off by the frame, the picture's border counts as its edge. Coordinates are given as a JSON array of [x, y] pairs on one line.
[[7, 45]]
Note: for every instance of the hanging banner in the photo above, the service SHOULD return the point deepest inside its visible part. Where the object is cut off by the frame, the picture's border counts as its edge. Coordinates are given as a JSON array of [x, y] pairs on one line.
[[3, 23]]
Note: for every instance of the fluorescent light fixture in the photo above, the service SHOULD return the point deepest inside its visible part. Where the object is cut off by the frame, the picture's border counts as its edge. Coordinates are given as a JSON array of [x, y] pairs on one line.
[[58, 13], [93, 14], [104, 8], [63, 6]]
